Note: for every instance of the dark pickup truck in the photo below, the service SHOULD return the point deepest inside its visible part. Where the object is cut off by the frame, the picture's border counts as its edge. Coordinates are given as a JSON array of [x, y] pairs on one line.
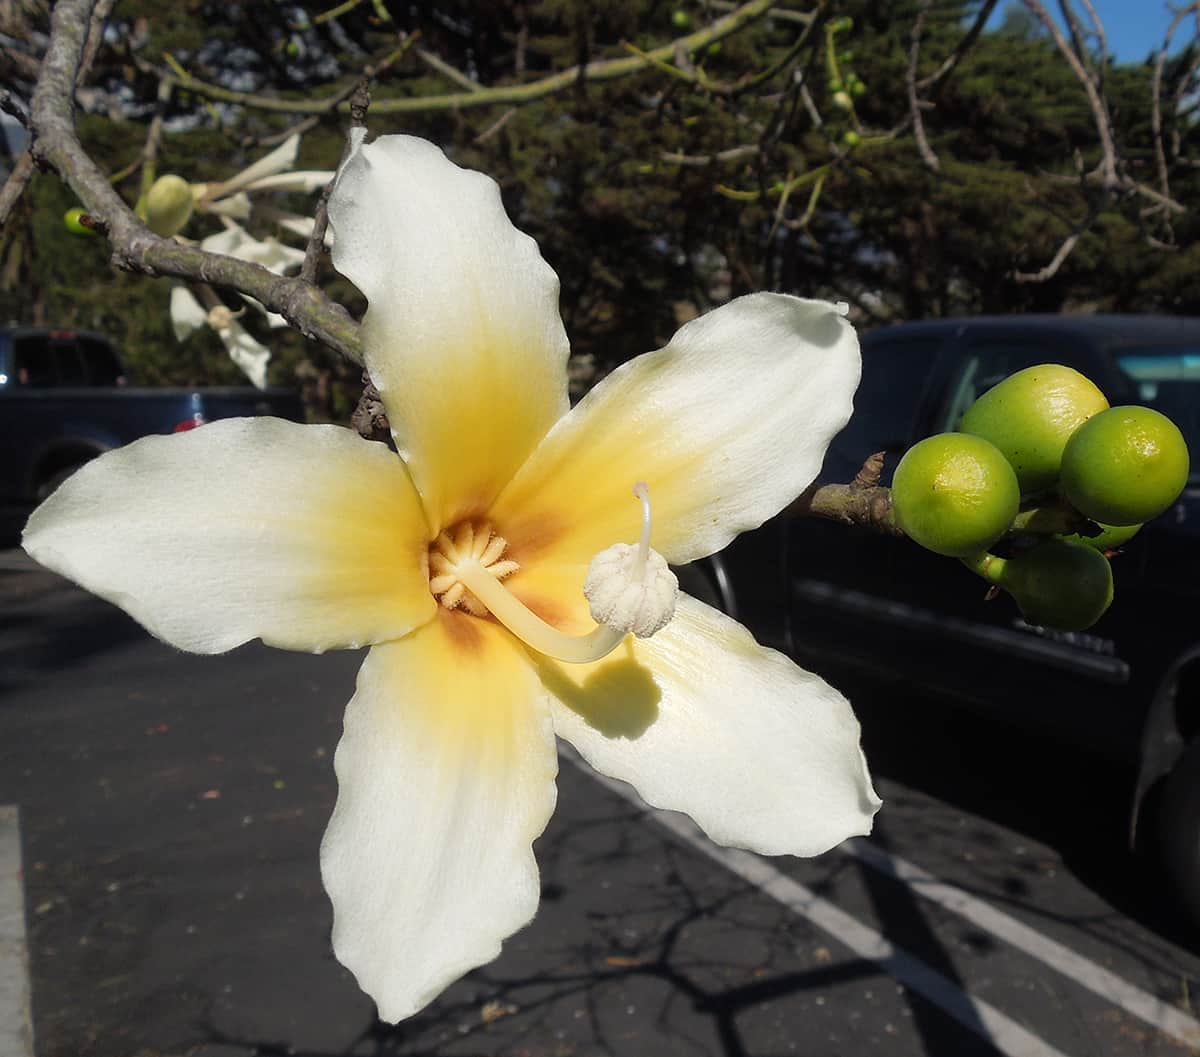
[[1128, 687], [63, 401]]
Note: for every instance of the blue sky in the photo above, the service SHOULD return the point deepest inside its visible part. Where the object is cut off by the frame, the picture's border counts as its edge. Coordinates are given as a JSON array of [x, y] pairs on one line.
[[1134, 27]]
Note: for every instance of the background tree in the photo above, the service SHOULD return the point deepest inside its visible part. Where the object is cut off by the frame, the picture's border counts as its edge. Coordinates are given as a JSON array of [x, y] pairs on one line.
[[900, 156]]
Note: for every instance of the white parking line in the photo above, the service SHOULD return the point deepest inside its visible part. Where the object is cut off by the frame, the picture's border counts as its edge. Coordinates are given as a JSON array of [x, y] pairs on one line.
[[1159, 1014], [1004, 1033], [16, 1023]]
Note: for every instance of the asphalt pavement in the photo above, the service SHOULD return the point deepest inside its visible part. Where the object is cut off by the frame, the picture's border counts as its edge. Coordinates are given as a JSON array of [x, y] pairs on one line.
[[171, 807]]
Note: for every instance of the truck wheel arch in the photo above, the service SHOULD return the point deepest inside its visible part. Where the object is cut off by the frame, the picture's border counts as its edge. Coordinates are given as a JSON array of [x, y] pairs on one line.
[[56, 465]]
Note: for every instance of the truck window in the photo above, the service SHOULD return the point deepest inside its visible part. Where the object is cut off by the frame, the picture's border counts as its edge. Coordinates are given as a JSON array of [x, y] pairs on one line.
[[987, 361], [885, 406], [103, 367], [1167, 378], [68, 362], [33, 361]]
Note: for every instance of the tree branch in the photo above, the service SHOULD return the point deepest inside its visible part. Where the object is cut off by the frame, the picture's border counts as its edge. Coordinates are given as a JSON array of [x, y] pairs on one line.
[[512, 95], [910, 80]]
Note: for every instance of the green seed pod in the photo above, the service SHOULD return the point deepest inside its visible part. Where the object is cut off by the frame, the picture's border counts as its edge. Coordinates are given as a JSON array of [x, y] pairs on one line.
[[168, 205], [1059, 585], [72, 221]]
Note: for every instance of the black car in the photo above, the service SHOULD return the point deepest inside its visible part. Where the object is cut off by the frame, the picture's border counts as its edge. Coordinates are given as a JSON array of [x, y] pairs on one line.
[[1128, 687]]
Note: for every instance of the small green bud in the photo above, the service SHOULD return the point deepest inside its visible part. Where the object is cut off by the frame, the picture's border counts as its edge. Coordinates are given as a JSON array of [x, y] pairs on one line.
[[851, 138], [842, 100], [857, 88], [168, 205], [73, 222], [841, 25], [680, 19]]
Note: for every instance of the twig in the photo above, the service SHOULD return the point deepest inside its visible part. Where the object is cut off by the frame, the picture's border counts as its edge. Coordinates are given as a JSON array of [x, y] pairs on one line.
[[910, 80], [449, 72], [95, 37], [699, 161], [15, 185], [14, 106], [360, 102], [963, 46], [862, 502], [496, 125]]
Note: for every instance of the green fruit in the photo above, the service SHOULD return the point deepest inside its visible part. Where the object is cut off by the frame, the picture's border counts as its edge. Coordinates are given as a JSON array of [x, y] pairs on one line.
[[842, 100], [954, 494], [680, 19], [1110, 539], [851, 138], [168, 204], [1031, 415], [72, 221], [1125, 466], [1059, 585], [857, 88]]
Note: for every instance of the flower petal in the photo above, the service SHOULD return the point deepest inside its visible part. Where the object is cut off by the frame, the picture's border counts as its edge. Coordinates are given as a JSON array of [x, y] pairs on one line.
[[462, 337], [445, 778], [236, 241], [727, 424], [246, 351], [279, 160], [701, 719], [307, 537], [304, 180], [187, 314]]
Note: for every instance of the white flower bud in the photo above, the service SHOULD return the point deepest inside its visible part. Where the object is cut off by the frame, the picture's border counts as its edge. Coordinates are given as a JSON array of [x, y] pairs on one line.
[[627, 594]]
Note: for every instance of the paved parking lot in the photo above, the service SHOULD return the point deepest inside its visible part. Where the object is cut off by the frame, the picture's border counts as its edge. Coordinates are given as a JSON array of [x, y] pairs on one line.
[[171, 809]]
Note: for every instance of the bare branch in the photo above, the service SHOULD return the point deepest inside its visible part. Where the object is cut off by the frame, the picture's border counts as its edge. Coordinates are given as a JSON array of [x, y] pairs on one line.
[[449, 72], [963, 46], [910, 80], [15, 185], [1100, 115]]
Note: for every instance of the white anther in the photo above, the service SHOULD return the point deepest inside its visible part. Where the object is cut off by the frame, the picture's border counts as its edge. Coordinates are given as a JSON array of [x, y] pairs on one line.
[[628, 593], [630, 588]]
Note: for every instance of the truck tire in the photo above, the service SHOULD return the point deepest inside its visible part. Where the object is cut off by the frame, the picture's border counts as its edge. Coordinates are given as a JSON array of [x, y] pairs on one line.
[[1179, 830], [47, 487]]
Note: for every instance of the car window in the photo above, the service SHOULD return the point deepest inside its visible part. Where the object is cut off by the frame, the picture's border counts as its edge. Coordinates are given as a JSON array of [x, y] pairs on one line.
[[33, 361], [68, 361], [894, 376], [103, 367], [1167, 378], [988, 361]]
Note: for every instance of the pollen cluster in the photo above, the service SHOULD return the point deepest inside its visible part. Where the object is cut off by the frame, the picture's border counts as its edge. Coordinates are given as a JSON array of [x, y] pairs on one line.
[[467, 541]]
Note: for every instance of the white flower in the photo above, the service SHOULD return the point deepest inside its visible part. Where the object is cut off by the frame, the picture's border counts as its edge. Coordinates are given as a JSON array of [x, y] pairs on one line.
[[462, 564], [244, 349]]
